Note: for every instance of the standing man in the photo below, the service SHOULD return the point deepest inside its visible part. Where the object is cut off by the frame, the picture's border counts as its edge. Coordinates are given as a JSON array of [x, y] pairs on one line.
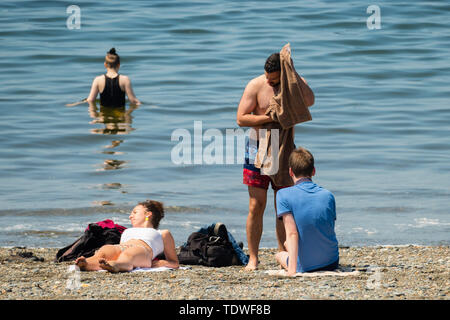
[[251, 113]]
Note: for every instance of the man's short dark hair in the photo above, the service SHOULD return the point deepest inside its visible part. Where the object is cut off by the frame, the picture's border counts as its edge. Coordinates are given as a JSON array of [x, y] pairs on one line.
[[273, 63]]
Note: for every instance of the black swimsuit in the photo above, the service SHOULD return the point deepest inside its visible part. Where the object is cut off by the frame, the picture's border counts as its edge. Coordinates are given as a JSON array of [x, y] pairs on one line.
[[112, 95]]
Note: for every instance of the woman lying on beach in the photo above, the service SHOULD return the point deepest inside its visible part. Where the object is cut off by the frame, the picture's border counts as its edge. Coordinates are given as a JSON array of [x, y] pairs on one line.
[[138, 246], [112, 86]]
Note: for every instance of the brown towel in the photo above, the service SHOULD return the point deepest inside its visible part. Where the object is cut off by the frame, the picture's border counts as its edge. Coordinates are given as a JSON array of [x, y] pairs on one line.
[[287, 108], [278, 168]]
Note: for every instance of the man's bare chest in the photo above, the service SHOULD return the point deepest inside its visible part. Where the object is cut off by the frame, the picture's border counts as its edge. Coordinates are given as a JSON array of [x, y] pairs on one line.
[[263, 99]]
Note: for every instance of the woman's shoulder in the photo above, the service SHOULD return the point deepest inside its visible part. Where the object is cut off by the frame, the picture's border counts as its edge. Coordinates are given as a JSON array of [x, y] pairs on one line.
[[165, 233], [99, 78], [124, 80]]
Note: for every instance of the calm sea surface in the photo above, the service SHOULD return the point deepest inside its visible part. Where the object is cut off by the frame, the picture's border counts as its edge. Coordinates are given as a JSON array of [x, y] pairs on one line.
[[380, 129]]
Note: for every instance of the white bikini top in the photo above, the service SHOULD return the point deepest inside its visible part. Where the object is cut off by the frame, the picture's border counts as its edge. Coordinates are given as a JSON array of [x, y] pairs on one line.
[[150, 236]]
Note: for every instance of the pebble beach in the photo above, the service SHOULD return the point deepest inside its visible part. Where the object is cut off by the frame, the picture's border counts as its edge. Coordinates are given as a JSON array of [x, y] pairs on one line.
[[384, 273]]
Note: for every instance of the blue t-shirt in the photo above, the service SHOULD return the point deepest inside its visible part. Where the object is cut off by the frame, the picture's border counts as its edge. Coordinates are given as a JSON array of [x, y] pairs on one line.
[[314, 211]]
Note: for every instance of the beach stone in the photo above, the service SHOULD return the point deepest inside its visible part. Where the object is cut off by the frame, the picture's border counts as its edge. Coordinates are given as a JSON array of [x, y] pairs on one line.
[[422, 273]]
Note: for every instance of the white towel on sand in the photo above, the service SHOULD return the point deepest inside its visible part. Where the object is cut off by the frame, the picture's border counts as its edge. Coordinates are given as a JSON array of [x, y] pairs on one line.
[[340, 272], [158, 269]]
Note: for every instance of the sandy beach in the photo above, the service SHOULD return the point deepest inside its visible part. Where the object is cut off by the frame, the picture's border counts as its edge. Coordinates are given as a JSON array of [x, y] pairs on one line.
[[384, 273]]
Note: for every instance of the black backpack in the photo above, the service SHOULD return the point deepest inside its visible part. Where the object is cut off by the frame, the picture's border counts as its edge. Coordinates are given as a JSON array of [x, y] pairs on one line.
[[208, 250], [95, 236]]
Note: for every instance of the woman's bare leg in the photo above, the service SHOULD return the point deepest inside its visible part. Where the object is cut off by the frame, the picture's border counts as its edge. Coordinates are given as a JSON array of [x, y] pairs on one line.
[[110, 252], [129, 259]]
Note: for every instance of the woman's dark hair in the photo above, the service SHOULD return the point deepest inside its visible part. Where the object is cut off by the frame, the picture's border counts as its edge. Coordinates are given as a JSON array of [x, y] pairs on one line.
[[273, 63], [157, 209], [112, 59]]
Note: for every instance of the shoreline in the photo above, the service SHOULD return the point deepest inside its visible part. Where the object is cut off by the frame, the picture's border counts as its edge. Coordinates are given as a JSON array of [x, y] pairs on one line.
[[274, 248], [389, 272]]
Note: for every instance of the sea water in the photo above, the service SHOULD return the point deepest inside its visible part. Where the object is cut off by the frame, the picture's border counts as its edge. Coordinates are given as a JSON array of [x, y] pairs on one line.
[[380, 129]]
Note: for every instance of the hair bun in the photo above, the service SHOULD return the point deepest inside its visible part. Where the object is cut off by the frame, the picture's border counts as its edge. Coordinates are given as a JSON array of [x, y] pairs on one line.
[[112, 51]]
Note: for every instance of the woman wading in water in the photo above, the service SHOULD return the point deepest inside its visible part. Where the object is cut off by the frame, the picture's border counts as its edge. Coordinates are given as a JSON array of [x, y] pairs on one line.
[[112, 86]]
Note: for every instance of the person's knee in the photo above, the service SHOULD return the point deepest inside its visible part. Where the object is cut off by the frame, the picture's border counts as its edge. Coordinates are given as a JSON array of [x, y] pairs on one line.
[[109, 252], [257, 206], [258, 198]]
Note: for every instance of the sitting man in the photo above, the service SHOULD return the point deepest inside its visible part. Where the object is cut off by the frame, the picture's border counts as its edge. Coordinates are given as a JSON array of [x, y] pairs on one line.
[[308, 212]]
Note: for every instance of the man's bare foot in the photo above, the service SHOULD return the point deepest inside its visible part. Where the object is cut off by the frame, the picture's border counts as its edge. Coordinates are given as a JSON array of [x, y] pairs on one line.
[[81, 263], [251, 266], [104, 264]]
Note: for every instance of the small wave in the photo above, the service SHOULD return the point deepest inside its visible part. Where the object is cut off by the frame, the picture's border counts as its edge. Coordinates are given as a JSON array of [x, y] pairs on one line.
[[363, 230], [426, 222], [103, 207], [42, 233], [422, 223], [15, 228], [191, 31], [84, 211]]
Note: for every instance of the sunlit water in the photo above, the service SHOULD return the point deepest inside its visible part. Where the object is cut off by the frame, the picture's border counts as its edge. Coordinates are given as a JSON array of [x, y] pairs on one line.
[[379, 134]]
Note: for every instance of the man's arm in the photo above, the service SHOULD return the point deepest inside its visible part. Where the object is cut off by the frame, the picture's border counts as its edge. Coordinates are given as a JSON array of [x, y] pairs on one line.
[[308, 94], [247, 105], [291, 242]]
